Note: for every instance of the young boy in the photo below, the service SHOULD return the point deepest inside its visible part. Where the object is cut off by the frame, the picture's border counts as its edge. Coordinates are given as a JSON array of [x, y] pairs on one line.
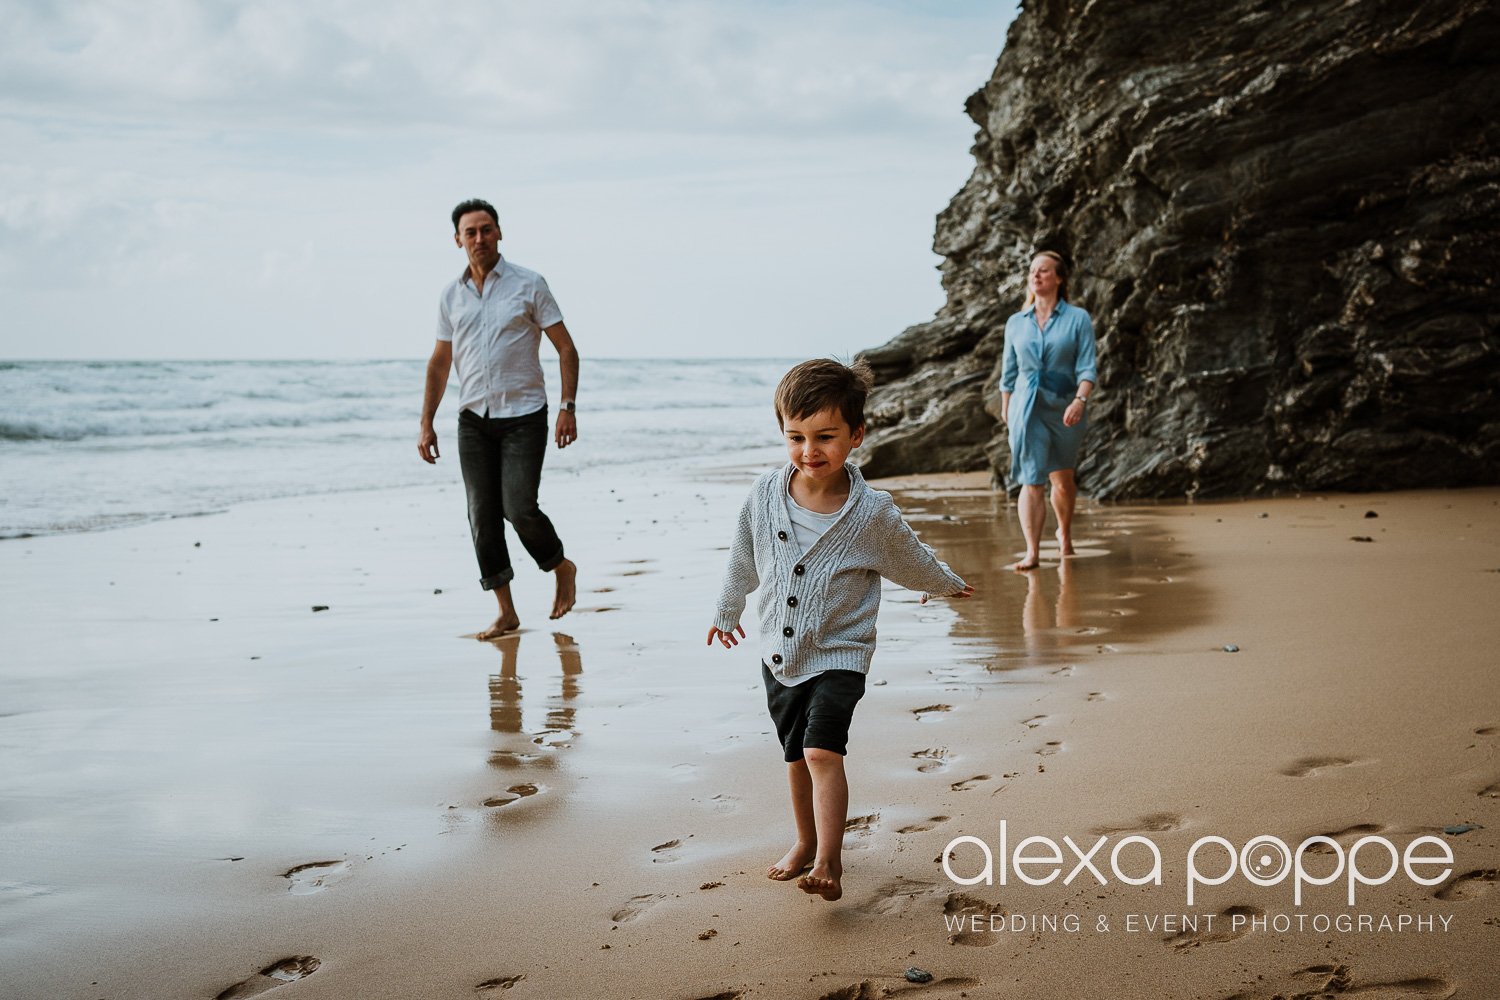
[[816, 540]]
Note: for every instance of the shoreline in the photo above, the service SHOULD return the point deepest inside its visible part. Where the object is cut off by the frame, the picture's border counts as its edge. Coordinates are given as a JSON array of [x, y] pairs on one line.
[[558, 806]]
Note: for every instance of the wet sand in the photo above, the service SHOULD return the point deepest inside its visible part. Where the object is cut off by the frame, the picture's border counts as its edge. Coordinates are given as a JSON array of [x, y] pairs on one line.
[[209, 789]]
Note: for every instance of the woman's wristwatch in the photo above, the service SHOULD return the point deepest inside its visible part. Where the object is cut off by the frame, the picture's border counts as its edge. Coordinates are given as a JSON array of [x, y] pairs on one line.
[[1081, 399]]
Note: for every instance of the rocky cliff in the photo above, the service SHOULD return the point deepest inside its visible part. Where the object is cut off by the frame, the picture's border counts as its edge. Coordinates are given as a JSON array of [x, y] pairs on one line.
[[1284, 218]]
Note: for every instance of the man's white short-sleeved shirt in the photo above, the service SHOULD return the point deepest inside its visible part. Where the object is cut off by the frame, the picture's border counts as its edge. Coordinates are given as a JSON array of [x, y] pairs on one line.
[[497, 339]]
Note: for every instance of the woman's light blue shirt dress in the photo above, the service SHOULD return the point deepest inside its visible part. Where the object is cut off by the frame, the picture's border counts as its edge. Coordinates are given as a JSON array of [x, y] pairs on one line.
[[1041, 372]]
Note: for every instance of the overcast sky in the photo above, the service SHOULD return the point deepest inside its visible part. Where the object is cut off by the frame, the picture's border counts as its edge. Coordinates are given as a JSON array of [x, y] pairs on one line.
[[272, 178]]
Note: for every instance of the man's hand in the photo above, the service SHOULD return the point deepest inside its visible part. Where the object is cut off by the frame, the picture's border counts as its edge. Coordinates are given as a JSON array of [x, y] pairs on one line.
[[726, 639], [567, 429], [427, 445]]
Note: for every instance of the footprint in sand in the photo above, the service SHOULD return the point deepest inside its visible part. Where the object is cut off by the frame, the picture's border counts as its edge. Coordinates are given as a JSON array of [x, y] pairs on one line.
[[315, 876], [498, 983], [722, 804], [923, 713], [1487, 730], [1308, 766], [896, 896], [869, 989], [968, 783], [1034, 721], [1097, 696], [931, 823], [964, 906], [1346, 836], [514, 793], [636, 905], [857, 828], [1469, 885], [666, 853], [1151, 823], [1223, 924], [512, 758], [1490, 792], [933, 759], [1339, 979], [275, 975]]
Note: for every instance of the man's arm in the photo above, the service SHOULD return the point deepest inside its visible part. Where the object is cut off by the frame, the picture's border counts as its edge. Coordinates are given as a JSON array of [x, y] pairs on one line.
[[437, 383], [567, 356]]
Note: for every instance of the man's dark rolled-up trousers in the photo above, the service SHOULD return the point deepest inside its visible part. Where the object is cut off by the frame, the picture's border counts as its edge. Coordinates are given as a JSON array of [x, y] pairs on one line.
[[501, 459]]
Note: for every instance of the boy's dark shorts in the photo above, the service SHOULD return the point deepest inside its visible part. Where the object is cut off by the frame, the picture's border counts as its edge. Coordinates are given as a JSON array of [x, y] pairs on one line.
[[815, 713]]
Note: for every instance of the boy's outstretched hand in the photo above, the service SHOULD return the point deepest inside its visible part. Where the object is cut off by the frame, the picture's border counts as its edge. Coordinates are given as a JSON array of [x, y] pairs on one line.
[[966, 592], [726, 638]]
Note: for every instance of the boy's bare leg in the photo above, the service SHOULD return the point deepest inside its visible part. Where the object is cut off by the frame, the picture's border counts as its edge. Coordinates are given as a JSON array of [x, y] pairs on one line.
[[830, 811], [1033, 517], [507, 621], [567, 591], [1064, 499], [796, 860]]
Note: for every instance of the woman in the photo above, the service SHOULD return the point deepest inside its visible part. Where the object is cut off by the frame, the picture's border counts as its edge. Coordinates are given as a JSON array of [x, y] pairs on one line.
[[1049, 372]]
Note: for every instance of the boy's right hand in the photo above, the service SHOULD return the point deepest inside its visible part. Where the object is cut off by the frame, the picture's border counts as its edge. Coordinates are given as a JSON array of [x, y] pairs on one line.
[[726, 638]]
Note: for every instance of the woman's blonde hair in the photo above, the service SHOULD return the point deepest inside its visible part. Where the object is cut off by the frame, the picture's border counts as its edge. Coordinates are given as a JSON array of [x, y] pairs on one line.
[[1060, 266]]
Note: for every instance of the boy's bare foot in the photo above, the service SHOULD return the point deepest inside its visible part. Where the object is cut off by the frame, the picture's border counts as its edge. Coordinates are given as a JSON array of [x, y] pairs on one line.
[[504, 625], [567, 574], [824, 880], [1064, 544], [792, 863]]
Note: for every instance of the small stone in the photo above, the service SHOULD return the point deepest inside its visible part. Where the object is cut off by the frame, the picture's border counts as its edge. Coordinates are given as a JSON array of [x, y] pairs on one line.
[[1371, 513], [1230, 647], [916, 975], [1454, 831], [710, 885], [1263, 515], [710, 933], [881, 683], [437, 590], [1360, 538], [197, 545], [320, 607]]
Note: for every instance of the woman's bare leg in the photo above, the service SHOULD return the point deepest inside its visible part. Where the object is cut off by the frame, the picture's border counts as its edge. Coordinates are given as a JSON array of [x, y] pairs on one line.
[[1033, 518], [1064, 499]]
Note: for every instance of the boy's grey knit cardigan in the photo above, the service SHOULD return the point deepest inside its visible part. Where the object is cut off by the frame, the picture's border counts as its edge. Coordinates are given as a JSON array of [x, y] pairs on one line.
[[817, 610]]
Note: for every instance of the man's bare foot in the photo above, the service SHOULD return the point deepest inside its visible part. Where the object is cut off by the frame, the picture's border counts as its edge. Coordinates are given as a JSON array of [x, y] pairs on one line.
[[1064, 544], [824, 880], [504, 625], [792, 863], [567, 592]]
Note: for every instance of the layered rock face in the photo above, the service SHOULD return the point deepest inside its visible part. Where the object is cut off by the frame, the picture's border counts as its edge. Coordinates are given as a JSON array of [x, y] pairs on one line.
[[1284, 218]]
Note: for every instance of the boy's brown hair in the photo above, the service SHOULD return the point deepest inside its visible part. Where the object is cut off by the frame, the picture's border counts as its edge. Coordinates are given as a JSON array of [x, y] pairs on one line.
[[822, 384]]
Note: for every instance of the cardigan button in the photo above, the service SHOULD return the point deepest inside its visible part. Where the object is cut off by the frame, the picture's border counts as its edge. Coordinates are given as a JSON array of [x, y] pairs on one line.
[[791, 602], [781, 535], [799, 569], [776, 658], [787, 632]]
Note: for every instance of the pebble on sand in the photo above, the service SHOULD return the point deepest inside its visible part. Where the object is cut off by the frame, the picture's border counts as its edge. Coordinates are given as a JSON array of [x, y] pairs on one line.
[[1371, 513], [916, 975], [1360, 538], [1230, 647], [320, 607], [1454, 831]]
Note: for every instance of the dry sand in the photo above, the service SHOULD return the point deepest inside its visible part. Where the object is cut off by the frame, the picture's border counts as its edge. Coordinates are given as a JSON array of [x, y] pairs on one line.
[[208, 789]]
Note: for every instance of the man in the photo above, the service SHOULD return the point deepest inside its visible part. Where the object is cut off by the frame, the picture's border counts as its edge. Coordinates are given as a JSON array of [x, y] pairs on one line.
[[490, 324]]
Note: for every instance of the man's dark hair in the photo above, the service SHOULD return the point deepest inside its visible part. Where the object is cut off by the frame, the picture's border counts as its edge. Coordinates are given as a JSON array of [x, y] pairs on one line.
[[473, 205], [822, 384]]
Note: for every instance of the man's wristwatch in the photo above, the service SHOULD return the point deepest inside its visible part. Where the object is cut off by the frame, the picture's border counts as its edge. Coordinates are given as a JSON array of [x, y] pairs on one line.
[[568, 406]]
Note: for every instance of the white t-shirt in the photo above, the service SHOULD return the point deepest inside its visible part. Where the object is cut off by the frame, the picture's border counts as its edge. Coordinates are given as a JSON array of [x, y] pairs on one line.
[[808, 525]]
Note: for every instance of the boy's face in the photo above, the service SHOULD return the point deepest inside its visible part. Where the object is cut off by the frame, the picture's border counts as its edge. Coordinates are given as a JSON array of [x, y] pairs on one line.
[[819, 444]]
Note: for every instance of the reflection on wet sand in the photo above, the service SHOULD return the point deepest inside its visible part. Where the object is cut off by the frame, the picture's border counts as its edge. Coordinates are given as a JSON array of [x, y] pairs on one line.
[[558, 727], [1126, 586]]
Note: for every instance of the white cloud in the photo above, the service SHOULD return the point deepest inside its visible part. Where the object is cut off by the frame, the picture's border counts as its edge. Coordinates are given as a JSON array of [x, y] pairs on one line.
[[271, 178]]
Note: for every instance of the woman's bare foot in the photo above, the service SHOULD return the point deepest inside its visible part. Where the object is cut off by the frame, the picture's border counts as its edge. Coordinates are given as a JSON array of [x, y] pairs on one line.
[[1064, 544], [567, 574], [792, 863], [504, 625], [1030, 562], [824, 880]]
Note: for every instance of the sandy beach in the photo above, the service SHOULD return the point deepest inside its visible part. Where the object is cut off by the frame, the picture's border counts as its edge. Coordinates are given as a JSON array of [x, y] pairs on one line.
[[211, 789]]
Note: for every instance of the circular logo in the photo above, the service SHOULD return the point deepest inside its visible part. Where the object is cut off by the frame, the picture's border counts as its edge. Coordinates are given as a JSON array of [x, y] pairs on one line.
[[1266, 860]]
